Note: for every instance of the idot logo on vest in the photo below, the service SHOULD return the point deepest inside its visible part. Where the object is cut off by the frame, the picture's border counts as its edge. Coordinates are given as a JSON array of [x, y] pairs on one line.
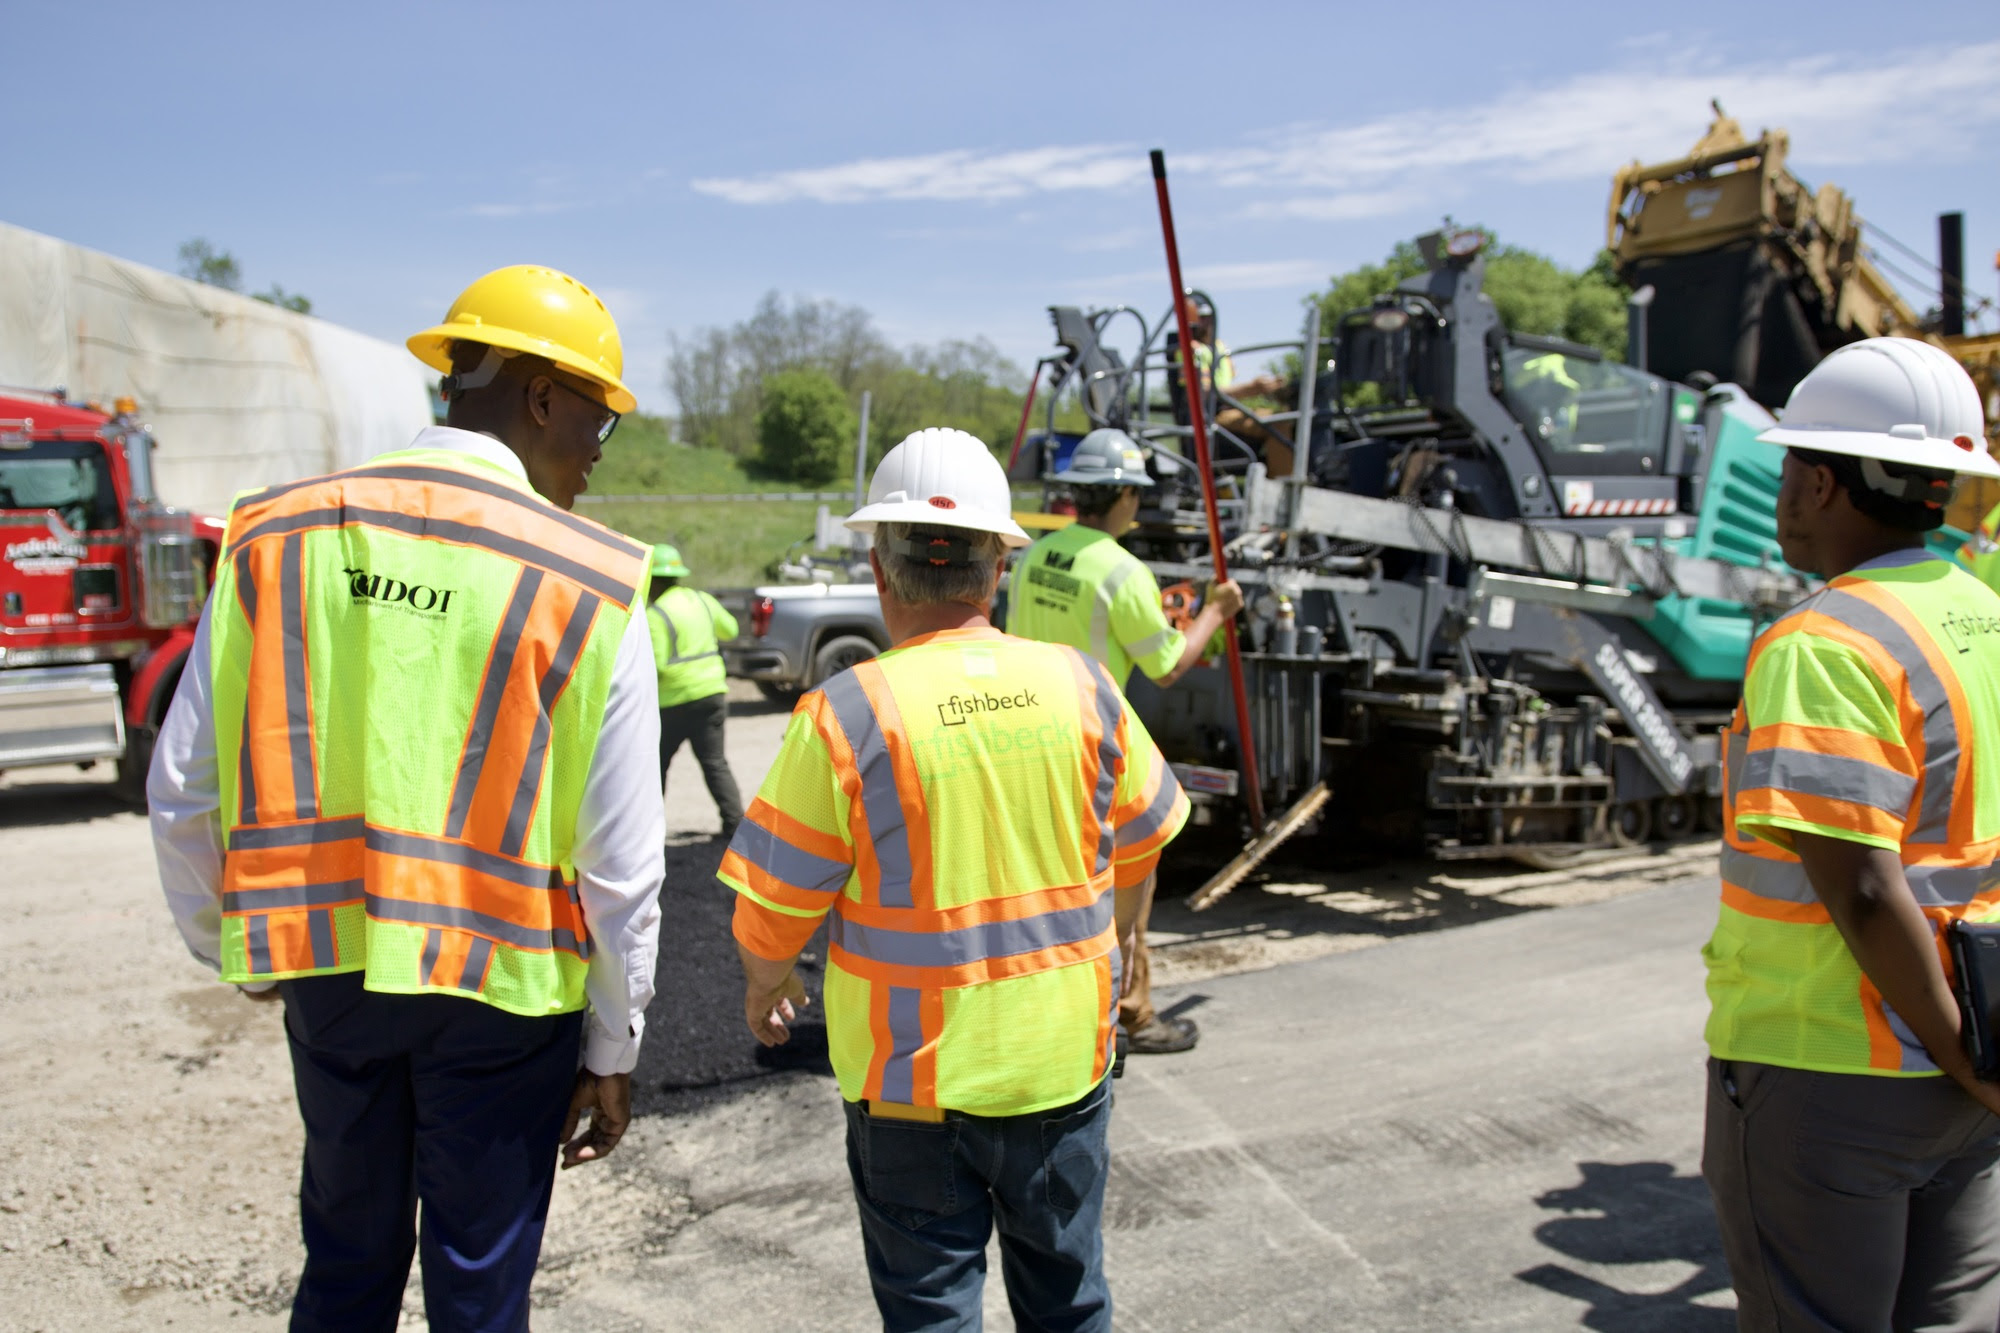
[[381, 590], [958, 710]]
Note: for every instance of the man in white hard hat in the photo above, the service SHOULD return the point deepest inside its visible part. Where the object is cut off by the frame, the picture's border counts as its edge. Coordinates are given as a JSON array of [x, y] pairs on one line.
[[1078, 586], [1851, 1149], [973, 815]]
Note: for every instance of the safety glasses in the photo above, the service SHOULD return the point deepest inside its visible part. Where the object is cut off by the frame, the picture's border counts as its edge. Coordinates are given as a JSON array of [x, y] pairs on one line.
[[609, 419]]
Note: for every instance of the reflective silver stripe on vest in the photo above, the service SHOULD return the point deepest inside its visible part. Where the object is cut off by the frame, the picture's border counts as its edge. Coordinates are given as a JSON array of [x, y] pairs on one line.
[[1116, 959], [419, 848], [298, 697], [464, 918], [1154, 817], [246, 772], [1151, 644], [257, 936], [1100, 608], [806, 871], [433, 946], [561, 666], [972, 944], [674, 657], [1786, 881], [319, 928], [1834, 777], [463, 481], [906, 1038], [464, 534], [249, 837], [472, 976], [880, 802], [333, 893], [492, 690], [1941, 750], [1110, 758]]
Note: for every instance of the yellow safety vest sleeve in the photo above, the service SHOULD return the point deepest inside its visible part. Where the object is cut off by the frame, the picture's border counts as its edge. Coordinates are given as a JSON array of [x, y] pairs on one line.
[[796, 853], [1826, 752]]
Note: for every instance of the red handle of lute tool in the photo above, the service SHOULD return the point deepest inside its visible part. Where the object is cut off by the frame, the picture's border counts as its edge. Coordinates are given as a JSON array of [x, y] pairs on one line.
[[1253, 788], [1027, 406]]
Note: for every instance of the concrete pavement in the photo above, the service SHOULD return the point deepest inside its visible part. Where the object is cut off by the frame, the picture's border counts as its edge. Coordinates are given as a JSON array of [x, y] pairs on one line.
[[1496, 1127]]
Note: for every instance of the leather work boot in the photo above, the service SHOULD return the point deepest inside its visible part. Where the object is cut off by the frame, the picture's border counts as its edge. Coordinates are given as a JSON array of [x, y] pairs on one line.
[[1164, 1036]]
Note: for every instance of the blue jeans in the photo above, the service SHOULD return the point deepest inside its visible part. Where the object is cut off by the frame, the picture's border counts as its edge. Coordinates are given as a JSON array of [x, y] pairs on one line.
[[930, 1195]]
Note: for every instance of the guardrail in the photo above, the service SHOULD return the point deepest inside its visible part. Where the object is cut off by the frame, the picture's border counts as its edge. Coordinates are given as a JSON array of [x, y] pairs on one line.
[[793, 496]]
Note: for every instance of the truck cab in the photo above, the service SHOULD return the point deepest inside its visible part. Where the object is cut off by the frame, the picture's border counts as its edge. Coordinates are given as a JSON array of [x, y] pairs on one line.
[[101, 585]]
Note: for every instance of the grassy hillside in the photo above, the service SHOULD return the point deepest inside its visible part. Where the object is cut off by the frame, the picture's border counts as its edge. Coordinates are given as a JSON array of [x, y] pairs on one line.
[[726, 544]]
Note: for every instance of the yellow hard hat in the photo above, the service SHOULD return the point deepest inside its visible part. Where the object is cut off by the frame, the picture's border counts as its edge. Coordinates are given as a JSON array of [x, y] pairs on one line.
[[527, 308]]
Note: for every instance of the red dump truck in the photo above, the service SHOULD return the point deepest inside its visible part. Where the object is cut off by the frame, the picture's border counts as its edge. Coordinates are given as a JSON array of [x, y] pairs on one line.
[[101, 584]]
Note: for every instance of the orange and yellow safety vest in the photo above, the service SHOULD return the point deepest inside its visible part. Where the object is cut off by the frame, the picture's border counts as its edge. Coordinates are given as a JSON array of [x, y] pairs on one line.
[[962, 807], [410, 662], [1870, 713]]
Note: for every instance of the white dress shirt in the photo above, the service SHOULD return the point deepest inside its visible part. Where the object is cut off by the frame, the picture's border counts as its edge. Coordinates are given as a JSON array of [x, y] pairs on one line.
[[620, 827]]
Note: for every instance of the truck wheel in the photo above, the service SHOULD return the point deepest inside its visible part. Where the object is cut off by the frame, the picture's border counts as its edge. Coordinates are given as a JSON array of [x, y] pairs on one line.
[[777, 691], [132, 765], [839, 654], [1631, 823], [1674, 816]]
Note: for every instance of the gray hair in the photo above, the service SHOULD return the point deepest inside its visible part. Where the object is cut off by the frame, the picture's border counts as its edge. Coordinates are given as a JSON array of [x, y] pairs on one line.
[[920, 583]]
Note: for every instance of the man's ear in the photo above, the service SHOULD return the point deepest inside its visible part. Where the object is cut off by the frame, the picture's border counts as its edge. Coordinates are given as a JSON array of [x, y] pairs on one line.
[[1822, 489], [875, 566], [535, 398]]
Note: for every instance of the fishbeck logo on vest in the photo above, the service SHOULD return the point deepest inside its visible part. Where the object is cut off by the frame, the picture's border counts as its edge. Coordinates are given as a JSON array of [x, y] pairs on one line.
[[958, 710], [1962, 629], [381, 591]]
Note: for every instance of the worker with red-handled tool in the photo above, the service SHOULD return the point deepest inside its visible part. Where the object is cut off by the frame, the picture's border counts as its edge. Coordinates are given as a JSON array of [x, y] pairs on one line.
[[1078, 586]]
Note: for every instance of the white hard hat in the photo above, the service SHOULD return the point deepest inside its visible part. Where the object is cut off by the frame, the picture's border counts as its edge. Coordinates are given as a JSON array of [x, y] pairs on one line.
[[1105, 457], [1895, 400], [946, 478]]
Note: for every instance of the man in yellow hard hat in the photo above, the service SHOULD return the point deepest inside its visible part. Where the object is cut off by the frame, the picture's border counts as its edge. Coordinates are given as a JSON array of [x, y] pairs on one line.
[[688, 629], [413, 794]]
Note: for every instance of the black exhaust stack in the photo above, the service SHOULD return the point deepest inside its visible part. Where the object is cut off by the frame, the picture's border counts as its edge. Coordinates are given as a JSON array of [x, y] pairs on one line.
[[1951, 269]]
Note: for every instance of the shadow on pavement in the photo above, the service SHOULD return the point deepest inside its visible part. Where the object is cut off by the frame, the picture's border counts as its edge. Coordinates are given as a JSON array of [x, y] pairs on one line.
[[1635, 1213], [23, 804]]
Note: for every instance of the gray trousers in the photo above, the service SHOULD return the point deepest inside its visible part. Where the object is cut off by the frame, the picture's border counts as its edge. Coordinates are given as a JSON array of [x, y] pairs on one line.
[[1852, 1203], [699, 723]]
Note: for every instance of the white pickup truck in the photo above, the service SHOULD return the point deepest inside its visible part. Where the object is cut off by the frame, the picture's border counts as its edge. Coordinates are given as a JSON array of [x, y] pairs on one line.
[[794, 636]]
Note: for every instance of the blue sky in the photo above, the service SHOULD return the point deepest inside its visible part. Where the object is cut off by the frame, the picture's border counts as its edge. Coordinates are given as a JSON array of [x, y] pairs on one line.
[[953, 168]]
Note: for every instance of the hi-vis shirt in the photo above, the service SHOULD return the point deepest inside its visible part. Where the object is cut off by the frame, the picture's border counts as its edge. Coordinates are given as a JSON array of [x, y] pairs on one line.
[[1080, 587], [1870, 713], [1981, 552], [961, 808]]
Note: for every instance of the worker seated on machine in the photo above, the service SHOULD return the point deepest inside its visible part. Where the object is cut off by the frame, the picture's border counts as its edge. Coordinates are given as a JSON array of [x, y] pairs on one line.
[[1241, 437]]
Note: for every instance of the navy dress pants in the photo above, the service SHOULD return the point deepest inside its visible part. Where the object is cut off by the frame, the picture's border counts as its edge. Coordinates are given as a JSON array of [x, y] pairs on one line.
[[429, 1098]]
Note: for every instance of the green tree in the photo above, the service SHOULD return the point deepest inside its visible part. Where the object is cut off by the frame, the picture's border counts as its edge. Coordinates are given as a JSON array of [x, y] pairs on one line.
[[278, 296], [803, 426], [1531, 292], [204, 263]]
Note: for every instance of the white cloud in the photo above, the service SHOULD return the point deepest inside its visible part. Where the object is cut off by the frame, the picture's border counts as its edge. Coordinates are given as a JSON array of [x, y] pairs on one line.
[[1930, 103], [958, 175]]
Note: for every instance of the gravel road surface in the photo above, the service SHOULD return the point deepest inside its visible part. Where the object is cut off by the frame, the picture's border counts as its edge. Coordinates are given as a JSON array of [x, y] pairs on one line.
[[151, 1141]]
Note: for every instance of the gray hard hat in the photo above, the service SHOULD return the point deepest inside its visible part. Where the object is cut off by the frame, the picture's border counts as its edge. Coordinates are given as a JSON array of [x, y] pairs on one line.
[[1105, 457]]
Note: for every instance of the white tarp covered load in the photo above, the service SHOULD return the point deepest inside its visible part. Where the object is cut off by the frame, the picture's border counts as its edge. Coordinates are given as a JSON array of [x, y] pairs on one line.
[[238, 393]]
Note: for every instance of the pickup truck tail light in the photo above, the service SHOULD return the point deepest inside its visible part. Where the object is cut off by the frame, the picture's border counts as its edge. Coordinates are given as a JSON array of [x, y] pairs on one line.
[[760, 616]]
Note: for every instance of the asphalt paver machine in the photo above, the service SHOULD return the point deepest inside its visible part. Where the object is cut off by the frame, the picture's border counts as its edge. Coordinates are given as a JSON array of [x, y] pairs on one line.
[[1500, 603]]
